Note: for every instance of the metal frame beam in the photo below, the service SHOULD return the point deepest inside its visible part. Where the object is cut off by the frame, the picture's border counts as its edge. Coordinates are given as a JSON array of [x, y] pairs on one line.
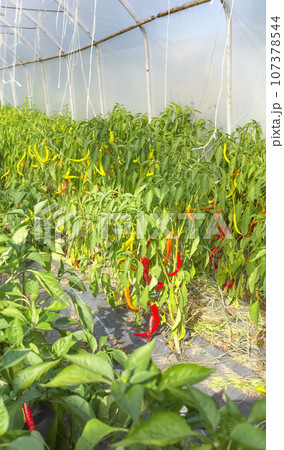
[[146, 51], [43, 29], [125, 30]]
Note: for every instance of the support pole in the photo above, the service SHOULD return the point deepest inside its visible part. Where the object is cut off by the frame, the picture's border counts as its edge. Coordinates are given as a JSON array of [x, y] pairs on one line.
[[229, 64]]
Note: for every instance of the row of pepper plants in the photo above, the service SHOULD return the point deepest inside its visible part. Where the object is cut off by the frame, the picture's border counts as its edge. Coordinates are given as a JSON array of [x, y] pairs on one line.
[[94, 393], [157, 203]]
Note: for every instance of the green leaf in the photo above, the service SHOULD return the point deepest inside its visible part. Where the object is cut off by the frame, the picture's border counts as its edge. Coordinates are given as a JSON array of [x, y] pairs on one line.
[[33, 314], [148, 199], [79, 406], [94, 363], [13, 357], [246, 434], [43, 326], [258, 411], [73, 375], [3, 323], [259, 254], [253, 279], [32, 285], [13, 312], [20, 235], [15, 333], [76, 283], [246, 221], [35, 256], [179, 193], [130, 401], [94, 432], [118, 355], [50, 284], [16, 417], [26, 443], [194, 245], [161, 429], [180, 374], [141, 357], [177, 320], [206, 405], [143, 377], [91, 341], [254, 310], [39, 206], [4, 417], [28, 376], [144, 297], [204, 184], [84, 313], [62, 345]]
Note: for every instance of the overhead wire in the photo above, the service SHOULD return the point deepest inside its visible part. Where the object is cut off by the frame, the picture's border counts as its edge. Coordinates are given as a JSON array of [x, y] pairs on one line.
[[167, 52]]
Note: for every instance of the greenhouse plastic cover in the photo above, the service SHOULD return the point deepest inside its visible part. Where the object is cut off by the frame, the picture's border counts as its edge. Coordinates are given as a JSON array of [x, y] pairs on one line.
[[90, 55]]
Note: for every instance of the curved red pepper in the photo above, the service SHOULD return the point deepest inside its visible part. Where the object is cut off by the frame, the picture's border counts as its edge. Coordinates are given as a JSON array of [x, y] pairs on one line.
[[152, 318], [231, 283], [131, 267], [156, 318], [64, 187], [28, 416], [160, 285], [178, 266]]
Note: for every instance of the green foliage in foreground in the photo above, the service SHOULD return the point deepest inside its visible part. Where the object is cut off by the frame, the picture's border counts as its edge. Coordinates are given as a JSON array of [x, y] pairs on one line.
[[98, 394]]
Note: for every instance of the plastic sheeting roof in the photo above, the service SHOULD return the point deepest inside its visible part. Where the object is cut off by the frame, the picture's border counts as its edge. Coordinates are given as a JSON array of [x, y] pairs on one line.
[[176, 57]]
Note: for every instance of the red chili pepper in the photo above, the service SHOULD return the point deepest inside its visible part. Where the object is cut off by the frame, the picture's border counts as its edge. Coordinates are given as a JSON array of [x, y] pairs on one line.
[[213, 251], [152, 318], [160, 285], [209, 207], [155, 315], [131, 267], [231, 283], [178, 266], [64, 187], [47, 189], [218, 213], [28, 416], [168, 247], [146, 262]]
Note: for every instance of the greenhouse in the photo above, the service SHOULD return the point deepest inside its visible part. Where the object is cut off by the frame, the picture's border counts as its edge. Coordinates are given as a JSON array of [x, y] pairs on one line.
[[133, 224]]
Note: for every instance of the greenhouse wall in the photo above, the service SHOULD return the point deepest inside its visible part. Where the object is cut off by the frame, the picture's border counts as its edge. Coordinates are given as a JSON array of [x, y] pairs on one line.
[[187, 58]]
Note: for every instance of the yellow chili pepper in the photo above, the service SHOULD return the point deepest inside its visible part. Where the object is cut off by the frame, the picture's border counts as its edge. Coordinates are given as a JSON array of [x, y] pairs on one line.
[[55, 157], [42, 160], [82, 159], [111, 136], [128, 242], [151, 154], [101, 169], [34, 165], [235, 223], [224, 153], [19, 163], [30, 152], [59, 230], [6, 173]]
